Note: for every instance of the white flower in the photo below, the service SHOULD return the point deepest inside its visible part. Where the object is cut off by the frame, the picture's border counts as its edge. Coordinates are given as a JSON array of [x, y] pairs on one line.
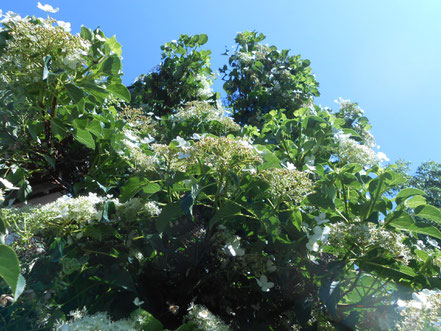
[[321, 219], [71, 62], [197, 136], [65, 25], [7, 184], [97, 36], [183, 155], [290, 166], [182, 143], [382, 157], [432, 242], [264, 283], [11, 17], [48, 8], [147, 140], [270, 266], [137, 302], [320, 234], [204, 314], [234, 248]]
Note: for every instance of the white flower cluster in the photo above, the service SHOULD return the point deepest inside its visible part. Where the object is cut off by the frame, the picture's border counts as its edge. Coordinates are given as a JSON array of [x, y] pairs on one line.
[[100, 321], [202, 111], [222, 153], [423, 312], [66, 209], [368, 236], [351, 151], [349, 107], [233, 247], [204, 319], [130, 209], [31, 40], [288, 184], [205, 91]]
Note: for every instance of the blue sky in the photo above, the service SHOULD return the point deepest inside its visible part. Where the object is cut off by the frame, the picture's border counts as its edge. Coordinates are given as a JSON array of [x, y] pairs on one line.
[[385, 55]]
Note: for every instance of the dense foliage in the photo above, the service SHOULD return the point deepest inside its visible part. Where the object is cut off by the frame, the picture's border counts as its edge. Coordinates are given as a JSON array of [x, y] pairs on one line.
[[179, 216]]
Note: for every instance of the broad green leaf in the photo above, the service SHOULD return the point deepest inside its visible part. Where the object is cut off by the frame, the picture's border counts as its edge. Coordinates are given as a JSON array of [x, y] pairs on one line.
[[407, 193], [2, 228], [80, 123], [146, 321], [415, 201], [269, 159], [58, 129], [86, 33], [330, 294], [35, 129], [74, 92], [112, 65], [47, 62], [422, 255], [229, 209], [50, 160], [203, 38], [120, 91], [169, 213], [113, 46], [95, 128], [151, 188], [117, 276], [10, 270], [95, 90], [99, 231], [428, 212], [406, 223], [133, 186], [392, 271], [84, 137]]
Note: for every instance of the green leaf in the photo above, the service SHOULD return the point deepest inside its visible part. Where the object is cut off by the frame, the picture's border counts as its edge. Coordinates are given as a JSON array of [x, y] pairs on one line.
[[113, 46], [415, 201], [406, 223], [35, 129], [330, 294], [99, 231], [151, 188], [10, 270], [47, 62], [146, 321], [58, 129], [120, 91], [95, 90], [2, 228], [428, 212], [133, 186], [74, 92], [203, 38], [112, 65], [95, 128], [422, 255], [229, 209], [169, 213], [391, 271], [50, 160], [84, 137], [406, 193], [269, 159], [86, 33], [117, 276]]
